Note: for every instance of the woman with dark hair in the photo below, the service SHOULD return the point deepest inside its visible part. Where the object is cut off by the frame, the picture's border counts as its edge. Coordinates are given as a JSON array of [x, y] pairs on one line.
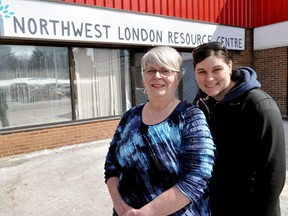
[[248, 132]]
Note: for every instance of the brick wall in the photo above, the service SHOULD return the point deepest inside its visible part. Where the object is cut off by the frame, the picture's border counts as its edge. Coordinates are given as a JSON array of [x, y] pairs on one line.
[[271, 67], [15, 143], [244, 58]]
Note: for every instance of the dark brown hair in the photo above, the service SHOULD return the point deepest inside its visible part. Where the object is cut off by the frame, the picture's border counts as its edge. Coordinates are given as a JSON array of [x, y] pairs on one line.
[[205, 50]]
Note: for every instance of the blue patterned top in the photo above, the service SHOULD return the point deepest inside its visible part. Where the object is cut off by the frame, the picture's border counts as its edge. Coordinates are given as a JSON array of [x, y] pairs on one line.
[[149, 159]]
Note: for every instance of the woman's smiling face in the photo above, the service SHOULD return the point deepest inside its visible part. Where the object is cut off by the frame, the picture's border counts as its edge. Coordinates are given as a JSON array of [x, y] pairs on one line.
[[213, 75], [157, 85]]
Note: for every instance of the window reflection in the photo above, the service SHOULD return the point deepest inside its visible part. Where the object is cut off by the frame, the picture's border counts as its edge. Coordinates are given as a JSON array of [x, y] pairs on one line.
[[35, 85], [102, 82], [3, 108]]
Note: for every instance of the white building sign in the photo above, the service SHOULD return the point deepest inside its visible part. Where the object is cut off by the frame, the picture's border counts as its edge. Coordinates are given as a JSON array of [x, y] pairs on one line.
[[69, 22]]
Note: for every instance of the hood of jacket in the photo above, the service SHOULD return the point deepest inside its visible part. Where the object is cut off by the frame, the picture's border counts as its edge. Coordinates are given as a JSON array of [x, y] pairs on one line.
[[245, 79]]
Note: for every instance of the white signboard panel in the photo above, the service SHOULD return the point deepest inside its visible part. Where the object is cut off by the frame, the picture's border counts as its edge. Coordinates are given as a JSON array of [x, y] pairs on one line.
[[70, 22], [271, 36]]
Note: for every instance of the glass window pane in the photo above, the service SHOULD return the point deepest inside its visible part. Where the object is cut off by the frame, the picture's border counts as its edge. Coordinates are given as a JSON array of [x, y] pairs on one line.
[[102, 82], [190, 86], [35, 85], [140, 95]]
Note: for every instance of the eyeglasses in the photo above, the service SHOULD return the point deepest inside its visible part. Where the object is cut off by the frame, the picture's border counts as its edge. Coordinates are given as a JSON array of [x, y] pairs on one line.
[[209, 46], [163, 72]]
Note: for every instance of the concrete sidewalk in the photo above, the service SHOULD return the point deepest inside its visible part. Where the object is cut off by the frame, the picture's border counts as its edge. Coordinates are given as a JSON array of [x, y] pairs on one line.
[[65, 181]]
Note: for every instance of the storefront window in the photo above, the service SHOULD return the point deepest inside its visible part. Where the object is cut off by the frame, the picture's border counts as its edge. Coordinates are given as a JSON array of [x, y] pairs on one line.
[[34, 85], [190, 86], [102, 82]]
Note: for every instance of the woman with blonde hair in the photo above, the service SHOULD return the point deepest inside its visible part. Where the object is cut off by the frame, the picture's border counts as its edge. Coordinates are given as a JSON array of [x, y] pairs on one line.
[[162, 154]]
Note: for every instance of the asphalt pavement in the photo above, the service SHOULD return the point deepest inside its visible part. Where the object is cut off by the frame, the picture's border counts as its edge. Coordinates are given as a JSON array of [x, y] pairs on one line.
[[66, 181], [61, 182]]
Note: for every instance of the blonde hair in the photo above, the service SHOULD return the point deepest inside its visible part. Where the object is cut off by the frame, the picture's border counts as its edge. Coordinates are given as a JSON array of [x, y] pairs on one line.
[[163, 56]]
